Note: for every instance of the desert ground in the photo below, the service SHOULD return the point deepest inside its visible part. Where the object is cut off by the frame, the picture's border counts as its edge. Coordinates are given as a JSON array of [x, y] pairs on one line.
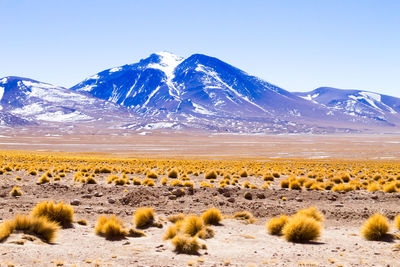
[[236, 242]]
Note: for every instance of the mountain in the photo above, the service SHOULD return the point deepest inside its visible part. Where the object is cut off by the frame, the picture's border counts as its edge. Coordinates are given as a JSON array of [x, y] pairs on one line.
[[202, 93], [28, 102], [357, 103], [165, 85]]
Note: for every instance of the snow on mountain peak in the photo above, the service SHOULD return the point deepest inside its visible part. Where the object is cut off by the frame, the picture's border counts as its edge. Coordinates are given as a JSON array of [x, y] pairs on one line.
[[168, 63]]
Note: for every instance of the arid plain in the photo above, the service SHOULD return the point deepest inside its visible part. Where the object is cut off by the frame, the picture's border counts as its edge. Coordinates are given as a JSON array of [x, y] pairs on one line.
[[347, 178]]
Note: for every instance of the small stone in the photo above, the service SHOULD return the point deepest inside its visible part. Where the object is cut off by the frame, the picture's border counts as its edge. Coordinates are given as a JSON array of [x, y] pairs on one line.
[[248, 196], [75, 202], [231, 200], [172, 197], [126, 243], [178, 192], [374, 197], [227, 194], [339, 205], [87, 196], [260, 196], [98, 194], [111, 200]]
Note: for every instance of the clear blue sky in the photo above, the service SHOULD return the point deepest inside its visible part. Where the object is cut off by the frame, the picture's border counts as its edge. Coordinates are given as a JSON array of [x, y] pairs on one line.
[[298, 45]]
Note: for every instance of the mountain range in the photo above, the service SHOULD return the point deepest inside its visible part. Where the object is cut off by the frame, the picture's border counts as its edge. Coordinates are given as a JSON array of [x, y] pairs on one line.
[[199, 93]]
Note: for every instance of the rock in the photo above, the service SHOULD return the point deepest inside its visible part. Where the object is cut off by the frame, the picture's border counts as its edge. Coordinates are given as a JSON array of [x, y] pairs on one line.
[[126, 243], [227, 194], [248, 196], [178, 192], [339, 205], [98, 194], [231, 200], [172, 197], [75, 202], [111, 200], [298, 199], [165, 194], [87, 196], [374, 197], [260, 196], [190, 191]]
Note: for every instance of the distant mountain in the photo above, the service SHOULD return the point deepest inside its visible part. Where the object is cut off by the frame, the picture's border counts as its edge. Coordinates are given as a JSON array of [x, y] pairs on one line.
[[28, 102], [357, 103], [200, 86], [202, 93]]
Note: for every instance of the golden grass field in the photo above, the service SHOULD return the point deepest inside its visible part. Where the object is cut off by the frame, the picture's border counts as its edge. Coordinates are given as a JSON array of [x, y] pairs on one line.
[[127, 208]]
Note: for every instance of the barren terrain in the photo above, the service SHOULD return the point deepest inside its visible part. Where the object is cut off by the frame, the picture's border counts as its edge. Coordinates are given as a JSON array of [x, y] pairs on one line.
[[235, 243]]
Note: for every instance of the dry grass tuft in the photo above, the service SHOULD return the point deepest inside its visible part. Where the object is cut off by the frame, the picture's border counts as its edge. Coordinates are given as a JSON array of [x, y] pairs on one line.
[[397, 222], [375, 228], [275, 225], [176, 217], [212, 216], [192, 225], [186, 245], [16, 191], [313, 213], [143, 217], [110, 227], [60, 213], [38, 226], [206, 233], [135, 233], [171, 232], [245, 216], [301, 229]]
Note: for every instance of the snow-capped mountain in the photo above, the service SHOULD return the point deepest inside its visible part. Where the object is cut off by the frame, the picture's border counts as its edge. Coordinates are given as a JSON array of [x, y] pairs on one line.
[[165, 91], [357, 103], [199, 85], [25, 101]]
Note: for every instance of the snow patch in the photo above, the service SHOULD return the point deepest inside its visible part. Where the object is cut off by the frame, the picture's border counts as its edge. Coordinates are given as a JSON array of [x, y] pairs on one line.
[[3, 81], [115, 69], [60, 116], [168, 63], [1, 92], [201, 109]]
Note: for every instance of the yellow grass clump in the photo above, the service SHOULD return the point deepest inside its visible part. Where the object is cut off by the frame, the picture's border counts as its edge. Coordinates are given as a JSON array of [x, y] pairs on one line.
[[173, 174], [212, 216], [185, 245], [311, 212], [192, 225], [244, 216], [275, 225], [397, 222], [16, 191], [301, 229], [38, 226], [210, 175], [143, 217], [110, 227], [375, 228], [60, 213], [171, 232]]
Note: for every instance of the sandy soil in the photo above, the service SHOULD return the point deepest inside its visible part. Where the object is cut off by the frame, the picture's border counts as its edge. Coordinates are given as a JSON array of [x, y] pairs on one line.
[[235, 243], [164, 144]]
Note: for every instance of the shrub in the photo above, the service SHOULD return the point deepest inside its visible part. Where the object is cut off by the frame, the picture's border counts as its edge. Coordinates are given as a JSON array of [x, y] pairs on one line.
[[5, 230], [188, 184], [110, 227], [245, 216], [397, 222], [171, 232], [206, 233], [192, 225], [301, 228], [32, 172], [212, 216], [152, 175], [295, 185], [43, 179], [373, 187], [210, 175], [16, 191], [284, 183], [243, 173], [177, 217], [186, 245], [375, 228], [143, 217], [164, 181], [390, 188], [91, 180], [38, 226], [60, 213], [173, 174], [135, 233], [311, 212], [275, 225]]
